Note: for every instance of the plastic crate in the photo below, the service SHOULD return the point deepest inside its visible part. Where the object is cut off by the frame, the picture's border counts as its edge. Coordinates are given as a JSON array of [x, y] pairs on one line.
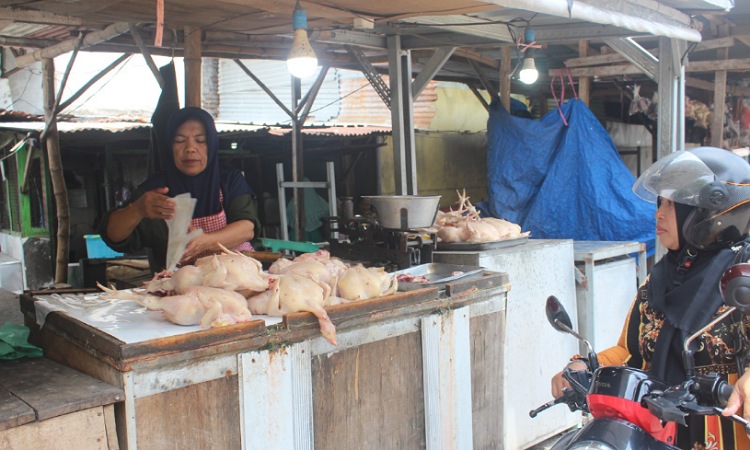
[[96, 248]]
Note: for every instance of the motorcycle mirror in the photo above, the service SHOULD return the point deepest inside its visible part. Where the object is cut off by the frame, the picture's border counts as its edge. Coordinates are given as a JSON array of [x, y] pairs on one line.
[[556, 315], [735, 287]]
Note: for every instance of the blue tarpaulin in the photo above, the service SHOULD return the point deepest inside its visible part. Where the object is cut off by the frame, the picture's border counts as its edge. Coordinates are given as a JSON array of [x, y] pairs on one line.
[[563, 182]]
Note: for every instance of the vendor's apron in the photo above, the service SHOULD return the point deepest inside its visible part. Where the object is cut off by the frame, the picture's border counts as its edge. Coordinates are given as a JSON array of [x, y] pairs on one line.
[[216, 222]]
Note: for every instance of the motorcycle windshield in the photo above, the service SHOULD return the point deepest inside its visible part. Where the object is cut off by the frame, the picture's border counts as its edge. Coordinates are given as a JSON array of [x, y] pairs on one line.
[[679, 177]]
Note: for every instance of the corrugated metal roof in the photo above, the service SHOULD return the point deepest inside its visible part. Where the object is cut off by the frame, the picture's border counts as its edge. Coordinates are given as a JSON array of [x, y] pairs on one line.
[[221, 127], [345, 98], [37, 31], [241, 99], [361, 104], [75, 127], [334, 131]]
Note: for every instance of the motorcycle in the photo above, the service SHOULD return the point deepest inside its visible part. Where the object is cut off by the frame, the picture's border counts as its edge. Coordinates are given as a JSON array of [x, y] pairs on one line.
[[628, 408]]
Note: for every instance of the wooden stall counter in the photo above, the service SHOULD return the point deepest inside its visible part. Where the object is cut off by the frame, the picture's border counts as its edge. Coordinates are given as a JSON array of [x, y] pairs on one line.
[[416, 369], [44, 404]]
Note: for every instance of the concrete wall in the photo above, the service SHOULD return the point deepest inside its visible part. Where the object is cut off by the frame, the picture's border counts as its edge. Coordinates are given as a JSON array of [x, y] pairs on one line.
[[446, 161]]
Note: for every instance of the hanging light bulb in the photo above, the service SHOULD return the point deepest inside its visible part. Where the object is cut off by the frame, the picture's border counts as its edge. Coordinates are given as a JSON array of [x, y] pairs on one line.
[[302, 61], [528, 74]]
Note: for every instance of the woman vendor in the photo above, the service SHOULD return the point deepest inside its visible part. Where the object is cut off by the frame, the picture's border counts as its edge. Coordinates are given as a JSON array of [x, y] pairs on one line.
[[225, 208], [702, 220]]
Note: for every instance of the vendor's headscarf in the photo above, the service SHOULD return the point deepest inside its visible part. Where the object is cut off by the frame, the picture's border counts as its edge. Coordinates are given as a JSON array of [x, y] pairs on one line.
[[206, 185], [688, 300]]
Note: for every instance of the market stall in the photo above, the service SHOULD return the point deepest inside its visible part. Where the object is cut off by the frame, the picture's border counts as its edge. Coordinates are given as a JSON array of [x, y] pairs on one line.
[[419, 368], [533, 350]]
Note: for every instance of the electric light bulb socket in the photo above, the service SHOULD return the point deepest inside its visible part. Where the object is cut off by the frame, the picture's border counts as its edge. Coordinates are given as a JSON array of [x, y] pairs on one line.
[[299, 18]]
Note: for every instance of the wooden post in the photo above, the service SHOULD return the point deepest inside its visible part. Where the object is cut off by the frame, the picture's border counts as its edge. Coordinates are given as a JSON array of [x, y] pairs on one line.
[[60, 191], [720, 94], [505, 73], [193, 66], [584, 83]]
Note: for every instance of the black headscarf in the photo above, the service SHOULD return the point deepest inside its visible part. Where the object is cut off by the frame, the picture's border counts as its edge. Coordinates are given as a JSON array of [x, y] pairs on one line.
[[206, 185], [688, 296]]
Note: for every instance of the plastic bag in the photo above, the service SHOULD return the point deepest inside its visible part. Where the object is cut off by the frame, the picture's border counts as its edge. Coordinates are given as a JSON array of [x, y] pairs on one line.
[[14, 342]]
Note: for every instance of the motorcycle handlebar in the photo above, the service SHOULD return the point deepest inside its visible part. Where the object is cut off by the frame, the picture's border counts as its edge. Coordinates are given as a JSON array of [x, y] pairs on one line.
[[724, 391]]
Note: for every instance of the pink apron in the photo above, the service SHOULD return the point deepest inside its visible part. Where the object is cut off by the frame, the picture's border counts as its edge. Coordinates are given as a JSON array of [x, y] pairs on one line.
[[216, 222]]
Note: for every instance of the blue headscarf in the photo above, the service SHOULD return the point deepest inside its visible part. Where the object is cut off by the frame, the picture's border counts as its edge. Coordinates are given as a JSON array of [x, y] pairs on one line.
[[204, 186]]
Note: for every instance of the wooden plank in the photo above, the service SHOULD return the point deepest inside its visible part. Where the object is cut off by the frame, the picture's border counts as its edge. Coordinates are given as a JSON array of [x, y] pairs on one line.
[[110, 426], [276, 384], [13, 412], [371, 396], [52, 389], [203, 416], [81, 430], [690, 67], [487, 341], [446, 364], [488, 281], [123, 355]]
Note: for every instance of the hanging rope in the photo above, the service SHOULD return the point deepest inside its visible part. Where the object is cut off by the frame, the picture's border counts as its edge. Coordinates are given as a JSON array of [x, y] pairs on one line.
[[559, 103], [159, 35]]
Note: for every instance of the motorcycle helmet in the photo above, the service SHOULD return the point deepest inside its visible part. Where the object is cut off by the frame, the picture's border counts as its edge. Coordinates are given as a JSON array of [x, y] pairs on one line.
[[715, 182]]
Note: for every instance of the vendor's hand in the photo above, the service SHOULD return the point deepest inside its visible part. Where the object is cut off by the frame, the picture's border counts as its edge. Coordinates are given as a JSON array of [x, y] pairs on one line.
[[740, 396], [201, 245], [558, 382], [155, 204]]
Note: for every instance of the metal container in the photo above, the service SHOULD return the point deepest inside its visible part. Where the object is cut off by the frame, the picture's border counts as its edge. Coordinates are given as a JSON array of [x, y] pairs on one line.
[[438, 275], [405, 212]]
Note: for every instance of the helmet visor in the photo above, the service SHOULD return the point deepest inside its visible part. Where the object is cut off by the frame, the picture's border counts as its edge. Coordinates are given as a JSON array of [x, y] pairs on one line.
[[679, 177]]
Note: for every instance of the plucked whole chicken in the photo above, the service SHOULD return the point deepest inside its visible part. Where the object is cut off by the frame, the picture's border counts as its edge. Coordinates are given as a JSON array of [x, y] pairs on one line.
[[229, 288], [465, 225]]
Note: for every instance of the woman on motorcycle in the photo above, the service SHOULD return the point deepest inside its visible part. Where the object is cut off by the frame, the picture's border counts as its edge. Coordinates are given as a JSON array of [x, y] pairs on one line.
[[703, 216]]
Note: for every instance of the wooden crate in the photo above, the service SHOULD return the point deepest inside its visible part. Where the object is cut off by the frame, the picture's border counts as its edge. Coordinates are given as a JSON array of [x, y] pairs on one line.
[[405, 374]]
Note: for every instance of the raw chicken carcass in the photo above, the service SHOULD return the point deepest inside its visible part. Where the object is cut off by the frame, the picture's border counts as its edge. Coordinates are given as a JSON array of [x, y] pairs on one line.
[[360, 283], [234, 272], [293, 293], [232, 306], [229, 270], [465, 225], [199, 305]]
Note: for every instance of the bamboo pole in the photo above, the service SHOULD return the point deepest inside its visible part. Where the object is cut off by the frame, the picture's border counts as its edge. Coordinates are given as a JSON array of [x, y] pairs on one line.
[[90, 39], [60, 191]]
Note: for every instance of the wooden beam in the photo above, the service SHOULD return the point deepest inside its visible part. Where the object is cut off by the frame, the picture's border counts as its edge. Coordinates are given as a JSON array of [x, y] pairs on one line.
[[146, 54], [744, 39], [506, 71], [91, 82], [11, 41], [92, 38], [584, 83], [594, 60], [714, 44], [486, 83], [469, 54], [193, 79], [720, 95], [691, 66], [31, 16], [478, 95]]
